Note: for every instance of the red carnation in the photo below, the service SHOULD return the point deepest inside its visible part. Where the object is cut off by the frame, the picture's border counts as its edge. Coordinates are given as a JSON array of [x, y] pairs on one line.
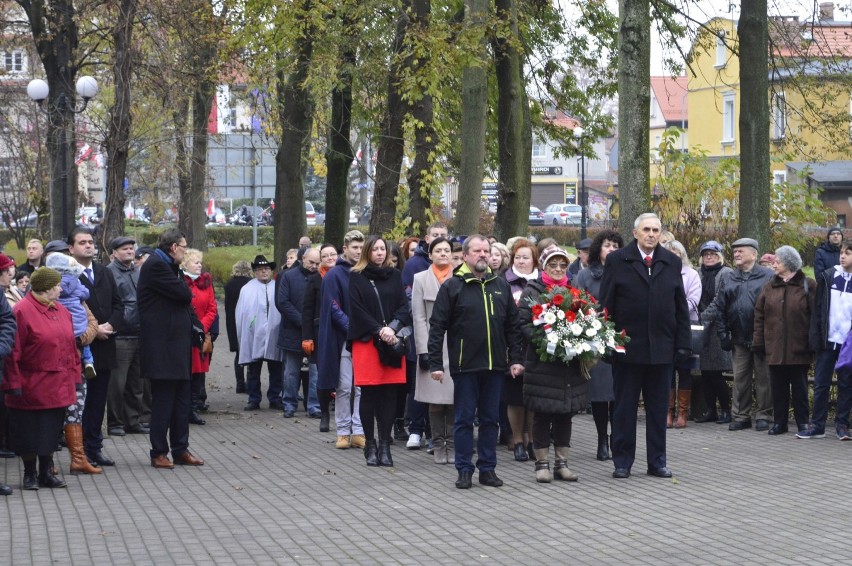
[[537, 310], [575, 292], [570, 316], [557, 300]]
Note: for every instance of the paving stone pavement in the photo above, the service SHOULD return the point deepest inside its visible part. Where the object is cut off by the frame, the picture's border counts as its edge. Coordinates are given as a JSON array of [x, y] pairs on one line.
[[276, 491]]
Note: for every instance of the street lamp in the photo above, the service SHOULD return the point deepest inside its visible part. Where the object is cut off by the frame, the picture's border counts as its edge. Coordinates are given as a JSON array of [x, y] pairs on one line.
[[38, 91], [584, 195]]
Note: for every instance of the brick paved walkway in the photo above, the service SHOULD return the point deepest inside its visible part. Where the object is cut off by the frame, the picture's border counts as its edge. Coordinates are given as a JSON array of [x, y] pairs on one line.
[[275, 491]]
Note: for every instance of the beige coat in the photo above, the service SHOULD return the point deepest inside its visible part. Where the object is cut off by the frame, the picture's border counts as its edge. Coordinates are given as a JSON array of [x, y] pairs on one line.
[[423, 295]]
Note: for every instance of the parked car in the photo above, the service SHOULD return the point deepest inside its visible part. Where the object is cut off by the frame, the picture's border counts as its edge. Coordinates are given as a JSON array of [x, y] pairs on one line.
[[536, 217], [310, 214], [563, 214]]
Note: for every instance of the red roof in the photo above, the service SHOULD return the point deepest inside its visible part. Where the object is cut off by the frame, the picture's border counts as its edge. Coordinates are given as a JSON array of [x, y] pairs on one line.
[[669, 92]]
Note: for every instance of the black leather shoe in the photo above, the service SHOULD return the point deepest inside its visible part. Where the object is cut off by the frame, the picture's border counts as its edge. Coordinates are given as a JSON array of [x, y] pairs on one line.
[[324, 422], [384, 455], [5, 489], [777, 429], [739, 425], [99, 459], [50, 481], [490, 479], [241, 388], [289, 413], [370, 453], [30, 482], [663, 472], [464, 481], [621, 473], [252, 407], [116, 431], [761, 425], [708, 417], [399, 430], [603, 450], [724, 417], [139, 429], [195, 418], [276, 405], [521, 452]]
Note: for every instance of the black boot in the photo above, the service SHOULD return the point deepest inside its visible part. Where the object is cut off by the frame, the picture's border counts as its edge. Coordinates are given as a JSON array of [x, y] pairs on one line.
[[30, 481], [46, 477], [241, 386], [370, 453], [324, 422], [724, 417], [603, 449], [399, 430], [707, 417], [385, 454], [195, 418]]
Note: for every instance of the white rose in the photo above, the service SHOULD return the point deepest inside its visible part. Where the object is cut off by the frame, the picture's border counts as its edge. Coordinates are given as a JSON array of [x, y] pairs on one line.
[[576, 329], [590, 332], [596, 324], [553, 338], [549, 317], [560, 315]]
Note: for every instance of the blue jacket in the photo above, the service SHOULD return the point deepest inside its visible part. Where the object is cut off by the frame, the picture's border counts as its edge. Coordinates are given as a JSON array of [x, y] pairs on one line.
[[288, 301], [827, 256], [334, 323]]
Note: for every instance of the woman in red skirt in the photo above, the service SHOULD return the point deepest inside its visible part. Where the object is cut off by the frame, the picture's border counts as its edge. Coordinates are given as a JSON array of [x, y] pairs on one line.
[[378, 309]]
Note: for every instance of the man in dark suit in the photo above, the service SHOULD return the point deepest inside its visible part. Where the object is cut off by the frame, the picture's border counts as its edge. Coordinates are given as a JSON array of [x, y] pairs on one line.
[[105, 304], [643, 291]]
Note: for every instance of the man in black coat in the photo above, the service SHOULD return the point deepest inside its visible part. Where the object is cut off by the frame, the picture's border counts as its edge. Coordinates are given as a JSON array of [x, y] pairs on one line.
[[166, 337], [643, 291], [106, 306]]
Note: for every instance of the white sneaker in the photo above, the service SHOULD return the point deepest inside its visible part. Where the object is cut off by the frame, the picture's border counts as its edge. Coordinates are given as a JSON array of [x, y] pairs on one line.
[[413, 442]]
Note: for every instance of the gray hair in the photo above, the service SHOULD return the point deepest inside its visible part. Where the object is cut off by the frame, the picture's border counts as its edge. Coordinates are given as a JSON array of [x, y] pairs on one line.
[[788, 256], [679, 250], [646, 216], [469, 241]]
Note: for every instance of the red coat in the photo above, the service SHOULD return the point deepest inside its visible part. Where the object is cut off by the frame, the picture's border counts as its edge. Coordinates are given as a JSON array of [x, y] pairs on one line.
[[204, 305], [45, 363]]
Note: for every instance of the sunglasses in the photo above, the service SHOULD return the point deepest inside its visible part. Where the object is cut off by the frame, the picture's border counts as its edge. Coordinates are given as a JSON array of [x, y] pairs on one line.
[[557, 265]]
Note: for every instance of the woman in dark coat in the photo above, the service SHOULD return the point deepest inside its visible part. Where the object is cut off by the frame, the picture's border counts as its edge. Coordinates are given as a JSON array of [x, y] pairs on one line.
[[601, 394], [378, 310], [165, 349], [41, 375], [782, 318], [310, 325], [241, 274], [713, 360], [552, 390]]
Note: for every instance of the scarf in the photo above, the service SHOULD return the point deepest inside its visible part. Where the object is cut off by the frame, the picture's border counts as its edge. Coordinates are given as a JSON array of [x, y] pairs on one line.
[[323, 270], [442, 273], [708, 287], [549, 281], [529, 276], [192, 276]]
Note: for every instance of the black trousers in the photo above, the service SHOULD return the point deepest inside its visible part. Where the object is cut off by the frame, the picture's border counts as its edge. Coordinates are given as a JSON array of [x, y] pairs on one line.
[[652, 382], [378, 403], [97, 390], [786, 379], [715, 387], [551, 425], [169, 416]]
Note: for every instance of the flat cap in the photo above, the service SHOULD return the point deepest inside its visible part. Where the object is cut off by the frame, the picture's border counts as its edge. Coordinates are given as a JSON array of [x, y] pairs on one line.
[[120, 241], [746, 243], [56, 246]]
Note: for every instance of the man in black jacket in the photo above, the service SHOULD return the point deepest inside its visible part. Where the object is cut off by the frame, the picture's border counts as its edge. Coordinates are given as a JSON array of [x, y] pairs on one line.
[[643, 291], [105, 304], [476, 310]]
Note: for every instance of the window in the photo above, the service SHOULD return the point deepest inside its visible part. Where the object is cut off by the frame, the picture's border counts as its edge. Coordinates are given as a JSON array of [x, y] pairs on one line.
[[539, 149], [653, 106], [13, 61], [779, 116], [721, 50], [779, 177], [5, 175], [841, 220], [729, 117]]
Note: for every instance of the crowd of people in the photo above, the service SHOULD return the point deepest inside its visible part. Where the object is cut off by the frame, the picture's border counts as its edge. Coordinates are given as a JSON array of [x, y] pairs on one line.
[[427, 342]]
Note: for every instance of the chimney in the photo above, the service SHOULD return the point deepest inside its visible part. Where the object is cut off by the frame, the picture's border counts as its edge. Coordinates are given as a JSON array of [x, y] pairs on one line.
[[826, 11]]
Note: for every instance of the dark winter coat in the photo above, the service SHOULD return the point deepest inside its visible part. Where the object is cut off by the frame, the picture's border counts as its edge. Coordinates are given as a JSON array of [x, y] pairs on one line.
[[782, 318], [365, 316], [105, 303], [126, 281], [600, 385], [311, 312], [334, 323], [232, 295], [589, 279], [481, 321], [166, 317], [549, 387], [652, 309], [735, 297], [8, 327], [712, 356], [826, 256], [288, 300]]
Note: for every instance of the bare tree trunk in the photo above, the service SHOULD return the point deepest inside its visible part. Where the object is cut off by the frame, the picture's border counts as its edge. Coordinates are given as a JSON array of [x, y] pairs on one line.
[[474, 101], [181, 120], [513, 188], [754, 219], [194, 224], [339, 155], [421, 181], [391, 142], [296, 118], [634, 94], [118, 135]]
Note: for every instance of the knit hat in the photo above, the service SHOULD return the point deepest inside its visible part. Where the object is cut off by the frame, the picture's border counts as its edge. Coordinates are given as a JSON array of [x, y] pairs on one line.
[[44, 279], [834, 229], [5, 262], [769, 258], [551, 253]]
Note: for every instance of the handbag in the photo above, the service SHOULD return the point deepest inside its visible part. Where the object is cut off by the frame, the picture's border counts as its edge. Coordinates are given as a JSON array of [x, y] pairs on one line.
[[207, 347], [698, 334], [391, 354], [844, 358]]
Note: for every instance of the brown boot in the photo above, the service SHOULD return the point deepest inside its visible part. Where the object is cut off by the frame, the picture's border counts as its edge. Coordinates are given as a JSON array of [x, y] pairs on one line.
[[683, 398], [669, 418], [79, 462]]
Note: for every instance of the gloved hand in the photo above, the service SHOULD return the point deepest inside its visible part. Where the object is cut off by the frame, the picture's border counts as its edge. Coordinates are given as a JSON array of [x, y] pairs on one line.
[[726, 343], [682, 357], [308, 347], [423, 361], [759, 351]]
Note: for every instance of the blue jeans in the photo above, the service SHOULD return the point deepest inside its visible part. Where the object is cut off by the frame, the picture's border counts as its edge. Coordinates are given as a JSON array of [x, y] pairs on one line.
[[477, 393], [293, 379], [823, 371], [273, 393]]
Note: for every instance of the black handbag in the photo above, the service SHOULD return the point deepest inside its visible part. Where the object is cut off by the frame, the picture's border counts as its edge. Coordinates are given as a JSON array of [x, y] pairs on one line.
[[391, 354]]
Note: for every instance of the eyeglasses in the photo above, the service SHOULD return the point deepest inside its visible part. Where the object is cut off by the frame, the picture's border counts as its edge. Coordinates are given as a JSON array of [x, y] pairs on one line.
[[182, 245], [558, 265]]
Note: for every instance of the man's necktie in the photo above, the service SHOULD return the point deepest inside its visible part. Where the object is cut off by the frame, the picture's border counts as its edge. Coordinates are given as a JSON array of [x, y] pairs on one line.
[[90, 275]]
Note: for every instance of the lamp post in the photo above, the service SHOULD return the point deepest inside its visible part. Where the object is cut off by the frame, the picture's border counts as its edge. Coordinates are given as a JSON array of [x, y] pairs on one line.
[[584, 195], [60, 119]]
